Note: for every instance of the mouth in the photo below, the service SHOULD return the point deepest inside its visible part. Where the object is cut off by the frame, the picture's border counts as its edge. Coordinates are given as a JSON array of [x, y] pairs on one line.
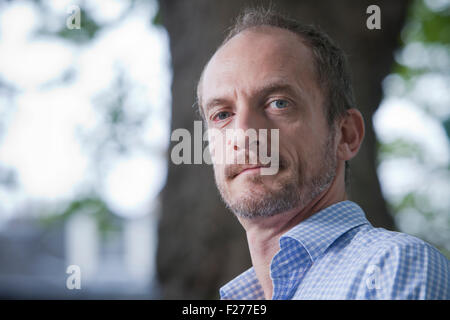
[[249, 170]]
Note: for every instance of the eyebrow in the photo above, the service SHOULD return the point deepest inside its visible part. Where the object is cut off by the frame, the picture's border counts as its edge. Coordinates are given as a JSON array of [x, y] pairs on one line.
[[277, 87], [265, 90], [213, 102]]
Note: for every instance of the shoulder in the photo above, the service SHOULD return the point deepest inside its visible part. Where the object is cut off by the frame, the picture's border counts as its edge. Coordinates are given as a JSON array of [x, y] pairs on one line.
[[406, 267], [391, 244]]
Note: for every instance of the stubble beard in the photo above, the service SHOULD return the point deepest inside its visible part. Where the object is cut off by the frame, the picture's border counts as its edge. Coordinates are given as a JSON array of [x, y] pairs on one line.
[[291, 191]]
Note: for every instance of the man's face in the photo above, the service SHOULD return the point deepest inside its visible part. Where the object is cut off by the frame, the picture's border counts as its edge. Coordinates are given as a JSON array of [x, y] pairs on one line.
[[264, 78]]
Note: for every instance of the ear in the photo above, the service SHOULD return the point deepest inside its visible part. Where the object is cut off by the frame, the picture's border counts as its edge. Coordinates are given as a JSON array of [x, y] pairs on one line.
[[351, 134]]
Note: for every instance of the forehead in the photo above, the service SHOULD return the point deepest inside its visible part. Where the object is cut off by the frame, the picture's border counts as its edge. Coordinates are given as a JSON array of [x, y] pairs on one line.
[[254, 57]]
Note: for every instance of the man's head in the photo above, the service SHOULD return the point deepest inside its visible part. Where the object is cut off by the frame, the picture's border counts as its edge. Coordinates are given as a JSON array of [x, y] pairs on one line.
[[274, 73]]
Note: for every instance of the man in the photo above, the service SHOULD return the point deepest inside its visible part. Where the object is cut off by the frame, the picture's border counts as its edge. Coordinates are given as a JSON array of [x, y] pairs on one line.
[[306, 240]]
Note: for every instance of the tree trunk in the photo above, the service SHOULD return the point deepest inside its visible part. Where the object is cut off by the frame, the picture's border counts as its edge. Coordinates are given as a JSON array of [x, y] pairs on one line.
[[201, 244]]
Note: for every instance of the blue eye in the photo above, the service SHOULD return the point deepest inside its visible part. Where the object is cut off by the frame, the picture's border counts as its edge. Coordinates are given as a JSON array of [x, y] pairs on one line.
[[221, 115], [279, 104]]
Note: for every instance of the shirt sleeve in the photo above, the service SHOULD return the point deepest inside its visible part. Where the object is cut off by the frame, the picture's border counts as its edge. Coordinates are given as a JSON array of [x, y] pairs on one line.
[[406, 268]]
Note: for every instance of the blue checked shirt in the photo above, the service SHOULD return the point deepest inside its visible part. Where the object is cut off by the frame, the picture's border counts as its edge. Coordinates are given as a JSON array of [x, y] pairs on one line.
[[338, 254]]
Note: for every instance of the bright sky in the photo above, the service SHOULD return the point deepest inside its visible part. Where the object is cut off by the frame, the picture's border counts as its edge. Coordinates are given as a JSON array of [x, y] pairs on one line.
[[41, 140]]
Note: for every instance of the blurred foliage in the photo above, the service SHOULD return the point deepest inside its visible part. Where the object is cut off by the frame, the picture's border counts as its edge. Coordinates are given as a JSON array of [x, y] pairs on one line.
[[400, 148], [413, 200], [446, 124], [429, 28], [89, 27], [408, 73], [426, 25], [94, 206], [84, 34], [8, 177], [118, 127], [157, 19], [120, 124]]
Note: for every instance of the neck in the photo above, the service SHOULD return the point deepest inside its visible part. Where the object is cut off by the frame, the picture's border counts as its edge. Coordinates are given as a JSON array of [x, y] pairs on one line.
[[263, 233]]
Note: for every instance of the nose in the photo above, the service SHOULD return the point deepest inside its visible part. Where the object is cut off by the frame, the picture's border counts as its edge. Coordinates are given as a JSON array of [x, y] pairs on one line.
[[245, 118], [245, 130]]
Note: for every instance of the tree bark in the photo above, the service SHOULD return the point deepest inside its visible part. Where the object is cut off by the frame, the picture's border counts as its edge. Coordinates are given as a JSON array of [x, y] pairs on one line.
[[201, 244]]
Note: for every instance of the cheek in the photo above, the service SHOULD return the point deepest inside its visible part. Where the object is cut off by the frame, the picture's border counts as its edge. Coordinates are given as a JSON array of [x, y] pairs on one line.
[[292, 145], [300, 152], [218, 171]]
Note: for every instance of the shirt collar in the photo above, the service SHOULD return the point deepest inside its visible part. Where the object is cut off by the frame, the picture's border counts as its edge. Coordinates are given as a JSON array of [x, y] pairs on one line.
[[319, 231], [314, 234]]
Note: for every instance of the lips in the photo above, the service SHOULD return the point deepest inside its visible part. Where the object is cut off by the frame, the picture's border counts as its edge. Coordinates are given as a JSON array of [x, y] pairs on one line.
[[233, 170], [248, 168]]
